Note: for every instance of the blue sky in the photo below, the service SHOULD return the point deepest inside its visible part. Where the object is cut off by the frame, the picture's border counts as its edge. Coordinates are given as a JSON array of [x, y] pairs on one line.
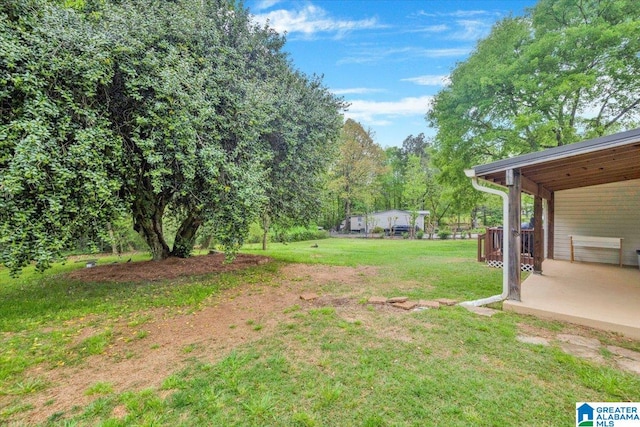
[[386, 58]]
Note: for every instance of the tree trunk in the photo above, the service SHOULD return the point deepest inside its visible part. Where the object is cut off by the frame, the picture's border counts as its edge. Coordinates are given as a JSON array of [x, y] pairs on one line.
[[265, 230], [147, 221], [186, 236], [206, 242], [347, 214], [112, 239]]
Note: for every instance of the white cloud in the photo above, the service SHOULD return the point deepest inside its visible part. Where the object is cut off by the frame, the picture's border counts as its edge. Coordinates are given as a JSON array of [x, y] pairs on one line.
[[468, 13], [266, 4], [440, 53], [373, 54], [356, 90], [365, 56], [381, 113], [311, 20], [458, 13], [471, 30], [429, 80], [431, 29], [468, 25]]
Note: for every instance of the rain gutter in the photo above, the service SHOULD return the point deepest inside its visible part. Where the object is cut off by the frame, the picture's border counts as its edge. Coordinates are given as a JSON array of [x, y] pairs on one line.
[[471, 173]]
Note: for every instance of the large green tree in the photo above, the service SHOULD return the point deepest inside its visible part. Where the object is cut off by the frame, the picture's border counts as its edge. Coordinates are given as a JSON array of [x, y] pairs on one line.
[[415, 145], [423, 190], [302, 136], [58, 151], [359, 164], [155, 108], [566, 70], [391, 182], [417, 179]]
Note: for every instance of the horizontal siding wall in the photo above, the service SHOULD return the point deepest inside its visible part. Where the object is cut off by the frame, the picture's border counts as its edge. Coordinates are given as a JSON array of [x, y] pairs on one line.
[[386, 220], [609, 210]]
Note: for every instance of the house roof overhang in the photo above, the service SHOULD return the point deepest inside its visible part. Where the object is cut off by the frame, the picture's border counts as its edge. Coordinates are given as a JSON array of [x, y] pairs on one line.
[[596, 161]]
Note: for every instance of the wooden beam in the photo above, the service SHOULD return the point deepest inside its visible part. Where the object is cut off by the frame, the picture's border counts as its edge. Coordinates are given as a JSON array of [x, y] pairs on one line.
[[538, 235], [514, 184], [534, 188]]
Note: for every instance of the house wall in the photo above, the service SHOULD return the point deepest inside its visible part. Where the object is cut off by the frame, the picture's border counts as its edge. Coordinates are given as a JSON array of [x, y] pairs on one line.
[[383, 220], [609, 210], [357, 223], [393, 218]]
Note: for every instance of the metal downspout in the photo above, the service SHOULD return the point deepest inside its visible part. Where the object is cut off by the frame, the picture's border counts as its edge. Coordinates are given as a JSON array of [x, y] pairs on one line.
[[505, 245]]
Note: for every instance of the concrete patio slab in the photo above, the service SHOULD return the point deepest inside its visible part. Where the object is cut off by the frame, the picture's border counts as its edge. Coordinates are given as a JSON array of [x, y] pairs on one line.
[[600, 296]]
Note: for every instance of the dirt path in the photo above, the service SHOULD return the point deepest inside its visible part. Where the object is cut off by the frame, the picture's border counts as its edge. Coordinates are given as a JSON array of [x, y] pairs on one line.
[[234, 317]]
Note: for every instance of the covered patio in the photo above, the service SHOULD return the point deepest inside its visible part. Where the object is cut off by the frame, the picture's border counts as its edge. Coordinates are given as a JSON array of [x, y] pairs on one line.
[[587, 191], [601, 296]]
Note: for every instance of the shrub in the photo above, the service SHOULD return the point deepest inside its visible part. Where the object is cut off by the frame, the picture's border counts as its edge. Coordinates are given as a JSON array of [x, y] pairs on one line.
[[405, 235], [444, 233], [377, 230], [255, 233], [419, 234], [299, 234], [293, 234]]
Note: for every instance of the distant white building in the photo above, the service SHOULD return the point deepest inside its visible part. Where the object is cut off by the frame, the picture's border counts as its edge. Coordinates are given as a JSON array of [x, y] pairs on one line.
[[365, 223]]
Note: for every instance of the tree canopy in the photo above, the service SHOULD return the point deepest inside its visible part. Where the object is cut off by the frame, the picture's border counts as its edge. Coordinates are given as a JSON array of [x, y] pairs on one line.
[[355, 172], [182, 109], [565, 71], [301, 138]]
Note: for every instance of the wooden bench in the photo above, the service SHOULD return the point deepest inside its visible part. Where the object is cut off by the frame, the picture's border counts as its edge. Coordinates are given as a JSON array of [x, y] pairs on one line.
[[597, 242]]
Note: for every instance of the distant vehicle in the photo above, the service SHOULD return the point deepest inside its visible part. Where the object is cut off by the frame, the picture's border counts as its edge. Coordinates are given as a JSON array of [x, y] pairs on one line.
[[399, 230]]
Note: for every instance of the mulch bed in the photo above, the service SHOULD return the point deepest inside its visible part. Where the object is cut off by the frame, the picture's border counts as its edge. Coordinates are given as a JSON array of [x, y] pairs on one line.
[[170, 268]]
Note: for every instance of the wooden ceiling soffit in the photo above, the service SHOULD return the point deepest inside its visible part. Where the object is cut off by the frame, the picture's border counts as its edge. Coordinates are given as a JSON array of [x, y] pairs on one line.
[[571, 175], [629, 154], [575, 166], [567, 183]]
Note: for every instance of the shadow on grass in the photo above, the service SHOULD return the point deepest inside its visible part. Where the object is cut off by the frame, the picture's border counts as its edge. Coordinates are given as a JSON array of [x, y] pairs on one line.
[[35, 300]]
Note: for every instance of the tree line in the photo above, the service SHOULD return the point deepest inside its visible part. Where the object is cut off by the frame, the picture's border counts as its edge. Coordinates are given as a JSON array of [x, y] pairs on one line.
[[366, 178], [147, 112], [565, 71]]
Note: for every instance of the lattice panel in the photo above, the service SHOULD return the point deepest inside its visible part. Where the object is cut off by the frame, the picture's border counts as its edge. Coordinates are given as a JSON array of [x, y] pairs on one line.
[[494, 264], [499, 264]]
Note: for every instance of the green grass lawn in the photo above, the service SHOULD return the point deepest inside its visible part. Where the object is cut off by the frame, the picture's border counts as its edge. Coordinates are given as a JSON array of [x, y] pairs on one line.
[[438, 268], [328, 365]]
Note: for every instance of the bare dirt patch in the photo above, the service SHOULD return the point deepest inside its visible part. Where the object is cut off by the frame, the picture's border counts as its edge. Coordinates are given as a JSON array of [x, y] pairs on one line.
[[142, 356], [582, 342], [167, 269], [530, 330]]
